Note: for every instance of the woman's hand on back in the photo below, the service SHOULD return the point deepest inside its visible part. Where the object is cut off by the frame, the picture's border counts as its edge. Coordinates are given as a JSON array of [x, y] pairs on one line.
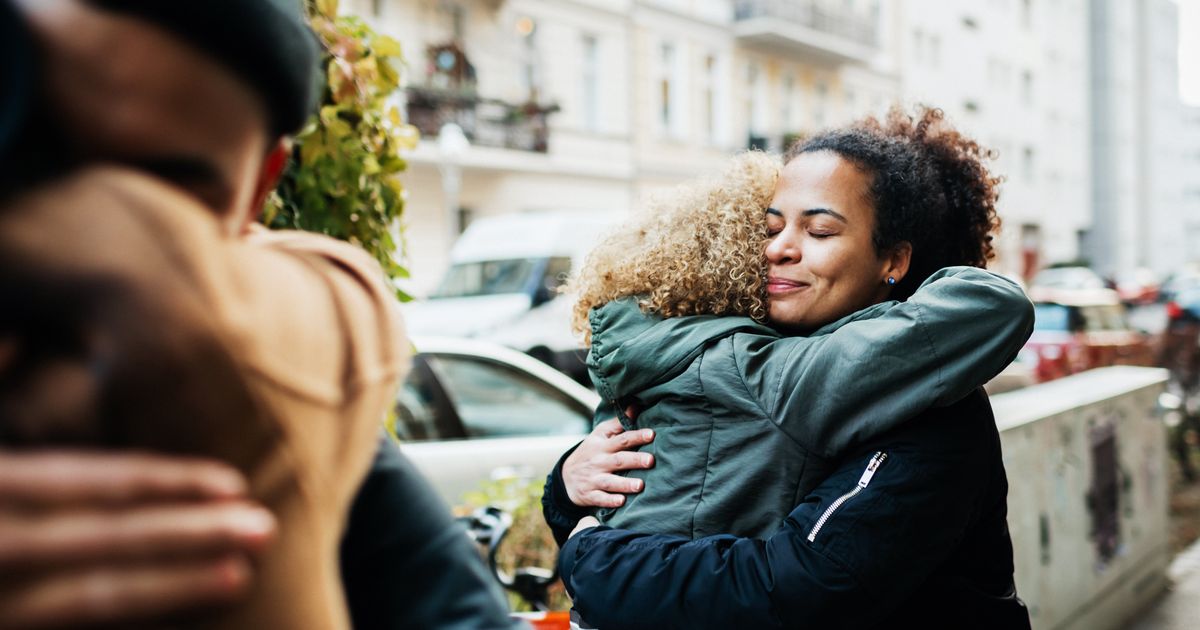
[[588, 473]]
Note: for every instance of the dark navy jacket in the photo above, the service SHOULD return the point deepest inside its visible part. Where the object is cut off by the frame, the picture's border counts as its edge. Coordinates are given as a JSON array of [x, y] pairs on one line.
[[910, 530], [407, 564]]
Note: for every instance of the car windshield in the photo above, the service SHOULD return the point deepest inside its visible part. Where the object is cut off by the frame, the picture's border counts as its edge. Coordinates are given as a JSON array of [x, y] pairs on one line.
[[1069, 278], [1104, 317], [1051, 317], [1092, 318], [487, 277]]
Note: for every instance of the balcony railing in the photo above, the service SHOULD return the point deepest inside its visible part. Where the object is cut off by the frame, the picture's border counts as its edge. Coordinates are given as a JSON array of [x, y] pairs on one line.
[[844, 23], [485, 121]]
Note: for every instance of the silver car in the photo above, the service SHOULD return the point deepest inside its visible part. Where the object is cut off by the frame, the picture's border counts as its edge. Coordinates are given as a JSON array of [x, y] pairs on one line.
[[471, 411]]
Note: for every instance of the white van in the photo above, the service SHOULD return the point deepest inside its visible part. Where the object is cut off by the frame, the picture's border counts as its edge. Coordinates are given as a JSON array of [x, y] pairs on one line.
[[502, 285]]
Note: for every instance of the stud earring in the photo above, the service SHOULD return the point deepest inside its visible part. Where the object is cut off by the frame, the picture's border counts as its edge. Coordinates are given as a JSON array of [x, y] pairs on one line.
[[891, 280]]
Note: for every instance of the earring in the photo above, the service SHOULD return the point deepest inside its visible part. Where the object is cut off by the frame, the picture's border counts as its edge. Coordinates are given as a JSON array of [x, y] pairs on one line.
[[891, 280]]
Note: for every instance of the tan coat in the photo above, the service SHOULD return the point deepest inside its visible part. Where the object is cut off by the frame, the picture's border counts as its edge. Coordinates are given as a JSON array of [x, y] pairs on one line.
[[278, 352]]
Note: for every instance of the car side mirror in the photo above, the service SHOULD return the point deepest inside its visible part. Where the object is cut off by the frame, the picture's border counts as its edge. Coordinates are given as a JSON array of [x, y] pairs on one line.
[[545, 292]]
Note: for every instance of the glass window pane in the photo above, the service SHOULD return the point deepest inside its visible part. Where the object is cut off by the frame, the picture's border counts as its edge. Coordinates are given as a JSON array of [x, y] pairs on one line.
[[558, 269], [488, 277], [495, 400], [418, 416], [1051, 317]]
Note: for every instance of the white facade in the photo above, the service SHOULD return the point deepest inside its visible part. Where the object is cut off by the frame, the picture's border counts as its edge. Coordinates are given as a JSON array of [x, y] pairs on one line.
[[1075, 96], [1171, 233], [1191, 182], [1013, 75], [1145, 148], [649, 94]]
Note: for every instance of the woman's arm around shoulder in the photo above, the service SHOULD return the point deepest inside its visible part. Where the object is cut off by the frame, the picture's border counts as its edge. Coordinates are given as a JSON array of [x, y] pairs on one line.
[[866, 374]]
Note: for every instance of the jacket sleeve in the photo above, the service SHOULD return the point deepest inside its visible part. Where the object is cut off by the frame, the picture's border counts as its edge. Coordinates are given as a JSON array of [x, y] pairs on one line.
[[870, 556], [833, 390], [407, 564]]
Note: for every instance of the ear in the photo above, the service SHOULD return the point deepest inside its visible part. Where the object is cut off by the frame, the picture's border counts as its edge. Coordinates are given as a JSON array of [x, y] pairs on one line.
[[272, 169], [896, 262]]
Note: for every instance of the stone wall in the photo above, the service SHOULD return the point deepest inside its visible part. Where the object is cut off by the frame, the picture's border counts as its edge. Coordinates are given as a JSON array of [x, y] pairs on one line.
[[1087, 468]]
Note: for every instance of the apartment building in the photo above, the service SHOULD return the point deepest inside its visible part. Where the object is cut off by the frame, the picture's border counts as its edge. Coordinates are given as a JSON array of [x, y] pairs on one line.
[[1013, 74], [591, 105]]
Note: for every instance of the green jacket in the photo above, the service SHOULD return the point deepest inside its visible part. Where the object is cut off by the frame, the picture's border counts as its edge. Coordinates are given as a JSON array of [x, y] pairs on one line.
[[748, 421]]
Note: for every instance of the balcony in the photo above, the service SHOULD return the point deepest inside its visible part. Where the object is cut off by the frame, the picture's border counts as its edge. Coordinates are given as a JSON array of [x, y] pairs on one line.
[[487, 122], [810, 28]]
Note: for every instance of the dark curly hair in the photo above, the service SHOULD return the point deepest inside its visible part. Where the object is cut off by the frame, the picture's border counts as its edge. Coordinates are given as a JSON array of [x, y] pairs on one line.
[[929, 187]]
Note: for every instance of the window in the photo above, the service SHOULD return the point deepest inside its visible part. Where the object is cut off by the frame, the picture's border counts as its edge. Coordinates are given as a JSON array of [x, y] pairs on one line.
[[558, 269], [822, 98], [708, 98], [529, 72], [490, 277], [421, 412], [1048, 316], [1027, 87], [756, 102], [590, 77], [376, 8], [935, 50], [788, 102], [1026, 13], [493, 399], [969, 23], [918, 46], [458, 21], [666, 88], [1027, 165]]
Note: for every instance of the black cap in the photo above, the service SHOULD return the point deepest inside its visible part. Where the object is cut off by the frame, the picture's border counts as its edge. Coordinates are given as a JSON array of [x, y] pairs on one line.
[[268, 43]]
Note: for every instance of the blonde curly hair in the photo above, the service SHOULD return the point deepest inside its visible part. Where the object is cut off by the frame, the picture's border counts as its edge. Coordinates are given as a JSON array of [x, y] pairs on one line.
[[695, 251]]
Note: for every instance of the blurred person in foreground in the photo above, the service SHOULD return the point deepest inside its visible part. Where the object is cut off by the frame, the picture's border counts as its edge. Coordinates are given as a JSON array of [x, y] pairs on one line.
[[143, 309]]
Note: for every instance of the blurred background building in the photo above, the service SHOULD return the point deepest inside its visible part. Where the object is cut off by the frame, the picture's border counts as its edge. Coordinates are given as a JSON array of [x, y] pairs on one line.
[[588, 105]]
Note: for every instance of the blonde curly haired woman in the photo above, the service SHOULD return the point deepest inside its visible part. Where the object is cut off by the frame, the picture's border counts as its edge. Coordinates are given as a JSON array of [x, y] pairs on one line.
[[768, 323]]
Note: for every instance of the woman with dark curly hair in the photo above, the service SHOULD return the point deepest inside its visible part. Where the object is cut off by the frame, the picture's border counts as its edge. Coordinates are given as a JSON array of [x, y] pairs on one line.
[[864, 416]]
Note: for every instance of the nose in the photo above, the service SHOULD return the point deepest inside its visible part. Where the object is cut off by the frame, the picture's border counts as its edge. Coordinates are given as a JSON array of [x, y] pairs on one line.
[[783, 248]]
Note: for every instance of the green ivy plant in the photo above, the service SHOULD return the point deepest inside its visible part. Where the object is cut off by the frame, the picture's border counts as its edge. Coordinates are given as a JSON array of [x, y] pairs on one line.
[[342, 180]]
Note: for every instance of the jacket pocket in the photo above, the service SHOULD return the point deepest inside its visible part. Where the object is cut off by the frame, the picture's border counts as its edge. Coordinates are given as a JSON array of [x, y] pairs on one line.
[[863, 481]]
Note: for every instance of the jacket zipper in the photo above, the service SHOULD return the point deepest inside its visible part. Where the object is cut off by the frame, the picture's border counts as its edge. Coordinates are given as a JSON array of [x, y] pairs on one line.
[[863, 481]]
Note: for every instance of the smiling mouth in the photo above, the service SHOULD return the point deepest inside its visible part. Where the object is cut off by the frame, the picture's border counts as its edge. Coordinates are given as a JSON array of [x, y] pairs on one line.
[[779, 286]]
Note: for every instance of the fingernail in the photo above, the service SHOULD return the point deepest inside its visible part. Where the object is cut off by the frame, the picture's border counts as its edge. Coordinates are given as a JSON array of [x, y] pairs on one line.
[[647, 460], [226, 482], [637, 484], [256, 522], [648, 434]]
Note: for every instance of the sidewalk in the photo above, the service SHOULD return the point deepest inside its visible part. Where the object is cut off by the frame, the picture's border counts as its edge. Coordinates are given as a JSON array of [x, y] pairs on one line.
[[1179, 608]]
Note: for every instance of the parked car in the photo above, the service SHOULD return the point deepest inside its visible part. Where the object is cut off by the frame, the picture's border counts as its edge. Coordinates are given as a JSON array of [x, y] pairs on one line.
[[1077, 330], [502, 285], [1182, 278], [471, 411], [1066, 278], [1138, 286]]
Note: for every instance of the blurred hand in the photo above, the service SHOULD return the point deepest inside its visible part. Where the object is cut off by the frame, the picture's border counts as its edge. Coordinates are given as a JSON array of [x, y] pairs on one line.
[[104, 538], [588, 472], [586, 522]]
